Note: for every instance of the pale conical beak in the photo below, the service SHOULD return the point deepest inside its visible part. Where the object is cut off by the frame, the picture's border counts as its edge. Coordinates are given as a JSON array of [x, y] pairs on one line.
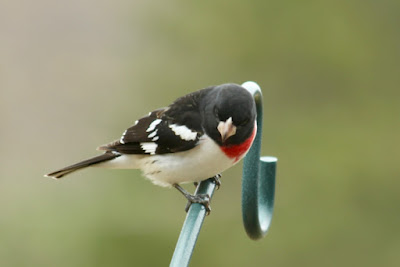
[[226, 129]]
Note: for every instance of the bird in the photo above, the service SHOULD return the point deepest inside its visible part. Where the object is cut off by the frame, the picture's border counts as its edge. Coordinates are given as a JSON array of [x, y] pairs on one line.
[[198, 136]]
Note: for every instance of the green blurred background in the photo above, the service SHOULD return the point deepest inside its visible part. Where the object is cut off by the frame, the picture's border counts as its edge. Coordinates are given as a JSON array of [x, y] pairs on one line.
[[75, 74]]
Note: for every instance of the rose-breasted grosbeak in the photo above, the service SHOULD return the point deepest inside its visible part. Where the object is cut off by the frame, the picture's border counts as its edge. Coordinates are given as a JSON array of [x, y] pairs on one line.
[[197, 137]]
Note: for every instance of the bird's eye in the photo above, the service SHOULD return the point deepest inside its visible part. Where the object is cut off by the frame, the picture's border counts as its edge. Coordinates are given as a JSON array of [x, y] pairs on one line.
[[244, 122]]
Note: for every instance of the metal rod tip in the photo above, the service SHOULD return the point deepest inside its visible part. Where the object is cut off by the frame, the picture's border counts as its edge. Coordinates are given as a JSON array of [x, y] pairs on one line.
[[252, 87], [269, 159]]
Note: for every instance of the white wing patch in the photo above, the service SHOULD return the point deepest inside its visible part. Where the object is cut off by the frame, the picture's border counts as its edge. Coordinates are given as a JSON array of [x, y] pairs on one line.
[[153, 125], [121, 140], [183, 132], [149, 147], [152, 134]]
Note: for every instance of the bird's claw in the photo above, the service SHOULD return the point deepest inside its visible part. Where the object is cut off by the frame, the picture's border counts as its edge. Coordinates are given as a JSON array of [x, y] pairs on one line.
[[203, 199], [217, 180]]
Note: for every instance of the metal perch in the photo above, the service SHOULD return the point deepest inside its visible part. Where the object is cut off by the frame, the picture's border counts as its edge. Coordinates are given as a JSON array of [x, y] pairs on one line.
[[258, 188]]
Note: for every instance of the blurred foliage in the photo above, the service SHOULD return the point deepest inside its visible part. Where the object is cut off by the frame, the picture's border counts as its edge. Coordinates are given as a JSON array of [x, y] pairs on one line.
[[75, 74]]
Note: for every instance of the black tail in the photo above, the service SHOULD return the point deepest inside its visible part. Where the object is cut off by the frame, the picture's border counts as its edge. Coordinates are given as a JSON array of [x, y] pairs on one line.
[[83, 164]]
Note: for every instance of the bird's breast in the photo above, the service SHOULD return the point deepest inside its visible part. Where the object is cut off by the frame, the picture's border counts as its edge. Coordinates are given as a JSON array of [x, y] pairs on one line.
[[237, 152]]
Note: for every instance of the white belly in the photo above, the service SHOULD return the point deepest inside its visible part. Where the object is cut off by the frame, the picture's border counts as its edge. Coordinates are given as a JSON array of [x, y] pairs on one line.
[[197, 164]]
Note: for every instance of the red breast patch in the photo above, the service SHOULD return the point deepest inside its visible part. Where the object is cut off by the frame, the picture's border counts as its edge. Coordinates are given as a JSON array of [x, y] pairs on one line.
[[237, 151]]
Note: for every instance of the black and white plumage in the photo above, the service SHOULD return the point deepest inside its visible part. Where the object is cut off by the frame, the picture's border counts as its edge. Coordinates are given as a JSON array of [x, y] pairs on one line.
[[196, 137]]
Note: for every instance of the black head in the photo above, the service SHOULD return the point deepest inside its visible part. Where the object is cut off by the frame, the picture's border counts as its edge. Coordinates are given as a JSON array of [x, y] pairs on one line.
[[228, 114]]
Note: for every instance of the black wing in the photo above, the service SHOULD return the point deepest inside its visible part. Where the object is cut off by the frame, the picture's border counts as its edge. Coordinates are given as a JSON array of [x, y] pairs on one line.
[[167, 130]]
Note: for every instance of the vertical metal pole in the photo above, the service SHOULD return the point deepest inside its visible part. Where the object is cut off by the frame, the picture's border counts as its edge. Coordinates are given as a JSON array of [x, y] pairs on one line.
[[191, 227]]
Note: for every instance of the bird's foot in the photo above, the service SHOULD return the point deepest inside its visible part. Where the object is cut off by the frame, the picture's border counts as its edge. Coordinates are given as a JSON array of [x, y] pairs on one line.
[[203, 199], [217, 180]]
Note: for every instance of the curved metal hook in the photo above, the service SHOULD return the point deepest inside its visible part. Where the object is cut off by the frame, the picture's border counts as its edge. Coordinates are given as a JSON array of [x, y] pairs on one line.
[[258, 182], [257, 194]]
